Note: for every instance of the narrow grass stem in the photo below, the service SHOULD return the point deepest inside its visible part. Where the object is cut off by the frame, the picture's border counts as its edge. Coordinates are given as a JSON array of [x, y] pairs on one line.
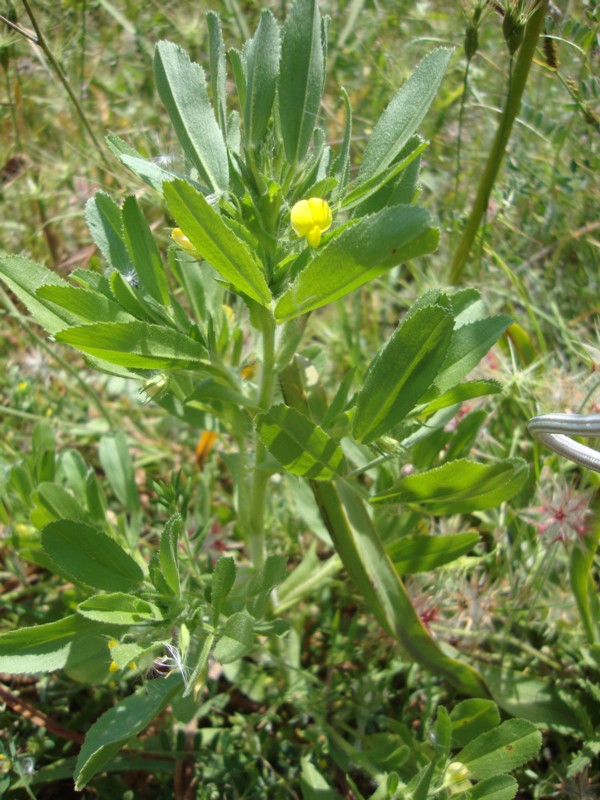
[[461, 117], [43, 44], [509, 114], [260, 475]]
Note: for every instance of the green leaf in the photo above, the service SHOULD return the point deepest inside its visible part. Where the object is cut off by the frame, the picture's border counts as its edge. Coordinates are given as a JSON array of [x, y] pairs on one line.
[[25, 278], [84, 554], [222, 582], [182, 89], [299, 445], [362, 252], [402, 371], [375, 183], [144, 252], [313, 784], [103, 218], [59, 503], [443, 735], [218, 74], [135, 344], [238, 65], [120, 724], [501, 787], [459, 487], [262, 71], [583, 585], [468, 346], [149, 171], [363, 555], [460, 394], [341, 166], [131, 299], [537, 700], [217, 243], [200, 665], [301, 78], [84, 304], [237, 639], [419, 553], [358, 545], [472, 717], [271, 575], [43, 648], [168, 552], [118, 608], [117, 464], [405, 113], [502, 749]]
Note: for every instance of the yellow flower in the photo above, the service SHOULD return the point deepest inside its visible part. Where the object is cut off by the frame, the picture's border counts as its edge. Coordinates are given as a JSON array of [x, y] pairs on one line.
[[310, 218], [182, 240]]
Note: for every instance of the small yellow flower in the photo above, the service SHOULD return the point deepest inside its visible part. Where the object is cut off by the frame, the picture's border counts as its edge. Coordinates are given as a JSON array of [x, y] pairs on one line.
[[113, 667], [456, 779], [182, 240], [310, 218]]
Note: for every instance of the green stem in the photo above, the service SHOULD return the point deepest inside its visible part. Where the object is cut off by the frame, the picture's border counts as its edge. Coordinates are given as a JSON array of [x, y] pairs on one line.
[[509, 114], [43, 44], [261, 475]]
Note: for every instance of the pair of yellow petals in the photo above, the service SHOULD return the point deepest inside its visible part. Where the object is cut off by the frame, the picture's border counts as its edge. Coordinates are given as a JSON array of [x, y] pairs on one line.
[[310, 218]]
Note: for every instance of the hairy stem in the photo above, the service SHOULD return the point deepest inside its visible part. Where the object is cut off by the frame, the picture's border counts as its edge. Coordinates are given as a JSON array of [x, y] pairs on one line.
[[260, 475]]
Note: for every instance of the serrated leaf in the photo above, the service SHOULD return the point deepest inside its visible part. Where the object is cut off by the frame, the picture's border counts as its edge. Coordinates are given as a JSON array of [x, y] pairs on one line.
[[367, 188], [144, 252], [84, 554], [119, 608], [341, 166], [217, 243], [135, 344], [262, 71], [301, 78], [405, 113], [120, 724], [43, 648], [103, 218], [25, 278], [237, 639], [402, 371], [362, 252], [182, 89], [84, 303], [502, 749], [218, 75], [299, 445], [459, 487]]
